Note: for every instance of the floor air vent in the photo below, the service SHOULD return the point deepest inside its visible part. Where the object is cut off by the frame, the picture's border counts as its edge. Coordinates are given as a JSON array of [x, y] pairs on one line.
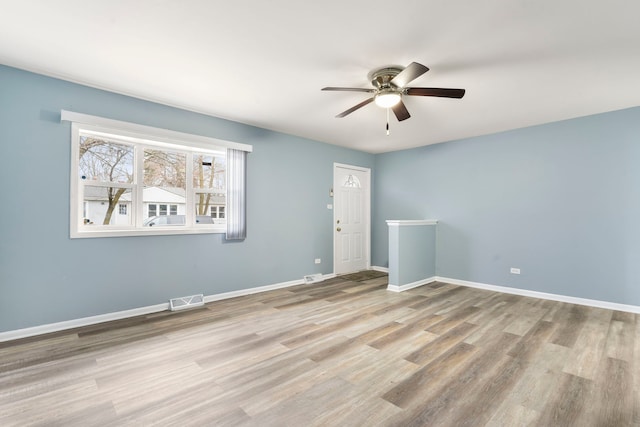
[[183, 303], [313, 278]]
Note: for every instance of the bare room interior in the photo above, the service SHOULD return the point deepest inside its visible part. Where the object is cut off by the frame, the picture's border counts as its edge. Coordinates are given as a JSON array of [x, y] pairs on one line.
[[320, 214]]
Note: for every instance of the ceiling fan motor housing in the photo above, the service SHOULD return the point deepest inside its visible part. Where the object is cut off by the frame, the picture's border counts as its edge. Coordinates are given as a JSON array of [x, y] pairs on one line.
[[381, 77]]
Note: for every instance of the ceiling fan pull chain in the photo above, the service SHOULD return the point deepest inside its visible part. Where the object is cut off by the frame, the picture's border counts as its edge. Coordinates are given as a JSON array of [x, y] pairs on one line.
[[387, 121]]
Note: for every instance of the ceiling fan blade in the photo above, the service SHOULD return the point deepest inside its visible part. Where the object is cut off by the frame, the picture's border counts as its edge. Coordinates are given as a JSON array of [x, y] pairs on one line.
[[412, 72], [349, 89], [401, 112], [355, 107], [434, 91]]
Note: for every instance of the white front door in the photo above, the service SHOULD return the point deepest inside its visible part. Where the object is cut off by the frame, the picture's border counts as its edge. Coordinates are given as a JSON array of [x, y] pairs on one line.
[[351, 218]]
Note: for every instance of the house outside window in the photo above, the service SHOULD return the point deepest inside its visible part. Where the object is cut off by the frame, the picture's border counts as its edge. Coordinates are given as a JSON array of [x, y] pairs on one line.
[[217, 212]]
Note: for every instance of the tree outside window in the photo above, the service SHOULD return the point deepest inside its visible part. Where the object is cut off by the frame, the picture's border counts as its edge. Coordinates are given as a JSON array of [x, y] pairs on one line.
[[103, 162]]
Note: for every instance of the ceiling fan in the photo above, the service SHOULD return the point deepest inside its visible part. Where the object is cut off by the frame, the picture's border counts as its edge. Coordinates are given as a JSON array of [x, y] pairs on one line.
[[390, 84]]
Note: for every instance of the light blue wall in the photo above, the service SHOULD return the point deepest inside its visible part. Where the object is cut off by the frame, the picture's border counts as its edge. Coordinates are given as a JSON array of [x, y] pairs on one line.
[[560, 201], [45, 277], [412, 253]]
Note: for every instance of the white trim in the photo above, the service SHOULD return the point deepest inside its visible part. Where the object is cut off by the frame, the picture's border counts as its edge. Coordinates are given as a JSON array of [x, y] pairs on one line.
[[357, 168], [77, 323], [92, 320], [250, 291], [403, 222], [101, 318], [165, 135], [543, 295], [381, 269], [516, 291], [401, 288], [154, 231]]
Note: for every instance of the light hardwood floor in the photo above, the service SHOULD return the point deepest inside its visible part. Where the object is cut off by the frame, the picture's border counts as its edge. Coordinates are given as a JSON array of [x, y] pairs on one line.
[[337, 353]]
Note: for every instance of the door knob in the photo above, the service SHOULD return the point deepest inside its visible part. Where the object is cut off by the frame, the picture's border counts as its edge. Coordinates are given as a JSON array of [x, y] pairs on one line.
[[338, 229]]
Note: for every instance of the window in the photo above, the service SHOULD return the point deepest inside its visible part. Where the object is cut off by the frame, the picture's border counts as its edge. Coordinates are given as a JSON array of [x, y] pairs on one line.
[[125, 178], [113, 169], [352, 181], [209, 184], [217, 212], [152, 209]]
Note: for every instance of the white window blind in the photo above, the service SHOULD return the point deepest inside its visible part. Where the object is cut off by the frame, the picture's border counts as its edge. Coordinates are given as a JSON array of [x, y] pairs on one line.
[[236, 194]]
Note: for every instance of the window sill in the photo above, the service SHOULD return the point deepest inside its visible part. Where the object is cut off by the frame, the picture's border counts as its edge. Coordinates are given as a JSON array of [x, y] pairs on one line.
[[155, 231]]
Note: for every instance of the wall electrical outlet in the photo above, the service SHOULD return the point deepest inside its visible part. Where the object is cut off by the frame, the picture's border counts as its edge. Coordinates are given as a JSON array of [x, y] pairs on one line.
[[318, 260], [515, 270]]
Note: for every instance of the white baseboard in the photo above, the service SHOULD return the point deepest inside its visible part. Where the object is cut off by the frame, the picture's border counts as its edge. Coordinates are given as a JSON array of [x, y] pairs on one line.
[[543, 295], [250, 291], [101, 318], [76, 323], [401, 288], [92, 320]]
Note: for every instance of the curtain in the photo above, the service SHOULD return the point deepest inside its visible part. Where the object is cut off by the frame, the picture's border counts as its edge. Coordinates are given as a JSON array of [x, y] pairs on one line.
[[236, 194]]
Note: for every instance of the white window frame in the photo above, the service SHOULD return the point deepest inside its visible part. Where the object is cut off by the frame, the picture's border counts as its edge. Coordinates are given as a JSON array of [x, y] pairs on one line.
[[140, 137]]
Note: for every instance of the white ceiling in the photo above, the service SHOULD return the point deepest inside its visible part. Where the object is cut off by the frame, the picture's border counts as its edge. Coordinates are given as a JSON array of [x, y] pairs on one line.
[[264, 62]]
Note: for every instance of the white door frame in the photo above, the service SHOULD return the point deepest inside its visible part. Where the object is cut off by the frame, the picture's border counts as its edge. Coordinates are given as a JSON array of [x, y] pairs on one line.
[[367, 211]]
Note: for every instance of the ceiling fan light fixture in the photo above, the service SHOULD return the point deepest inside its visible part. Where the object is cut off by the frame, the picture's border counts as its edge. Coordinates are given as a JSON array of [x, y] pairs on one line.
[[387, 98]]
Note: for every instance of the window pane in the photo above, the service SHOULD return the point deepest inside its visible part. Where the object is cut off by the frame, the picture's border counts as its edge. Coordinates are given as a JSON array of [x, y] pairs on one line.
[[165, 177], [164, 169], [100, 206], [209, 176], [352, 181], [105, 161], [221, 210], [165, 221], [203, 202], [122, 209], [209, 172], [152, 210], [206, 207]]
